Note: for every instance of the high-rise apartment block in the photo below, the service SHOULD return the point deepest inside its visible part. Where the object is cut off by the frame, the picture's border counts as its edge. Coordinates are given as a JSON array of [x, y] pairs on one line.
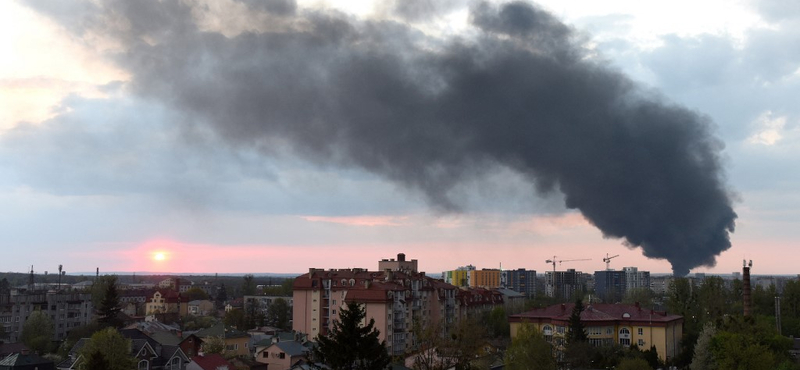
[[394, 298], [564, 284], [520, 280], [484, 278], [458, 277]]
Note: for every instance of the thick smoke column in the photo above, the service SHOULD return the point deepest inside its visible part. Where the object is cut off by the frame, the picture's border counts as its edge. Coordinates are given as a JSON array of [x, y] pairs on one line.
[[430, 114]]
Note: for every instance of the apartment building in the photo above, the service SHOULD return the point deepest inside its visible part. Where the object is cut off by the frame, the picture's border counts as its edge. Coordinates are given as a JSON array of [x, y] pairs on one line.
[[68, 310], [395, 299], [564, 284], [484, 278], [608, 324], [519, 280]]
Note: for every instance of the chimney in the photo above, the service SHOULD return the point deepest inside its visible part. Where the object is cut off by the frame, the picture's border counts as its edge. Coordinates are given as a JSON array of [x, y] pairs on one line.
[[401, 257], [746, 292]]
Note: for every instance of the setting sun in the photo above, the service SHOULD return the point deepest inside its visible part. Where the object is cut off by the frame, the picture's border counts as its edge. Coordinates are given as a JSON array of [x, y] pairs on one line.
[[159, 256]]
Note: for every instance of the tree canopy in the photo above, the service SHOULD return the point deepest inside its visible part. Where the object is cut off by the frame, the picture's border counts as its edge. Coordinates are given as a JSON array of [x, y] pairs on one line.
[[109, 348], [529, 350], [108, 310], [37, 332]]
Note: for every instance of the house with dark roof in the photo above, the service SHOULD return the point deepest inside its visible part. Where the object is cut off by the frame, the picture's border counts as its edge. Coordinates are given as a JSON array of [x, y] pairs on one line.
[[282, 355], [149, 353], [236, 341], [25, 360], [606, 325]]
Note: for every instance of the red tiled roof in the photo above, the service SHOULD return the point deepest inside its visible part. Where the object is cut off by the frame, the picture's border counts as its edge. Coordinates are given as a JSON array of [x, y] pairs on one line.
[[597, 312], [211, 361]]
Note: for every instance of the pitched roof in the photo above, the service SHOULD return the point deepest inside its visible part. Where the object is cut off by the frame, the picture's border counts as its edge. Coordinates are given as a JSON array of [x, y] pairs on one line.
[[597, 312], [9, 348], [292, 348], [220, 330], [211, 361], [18, 359]]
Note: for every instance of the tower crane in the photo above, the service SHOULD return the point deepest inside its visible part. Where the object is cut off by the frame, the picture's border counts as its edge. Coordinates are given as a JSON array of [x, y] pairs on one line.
[[607, 260], [554, 260]]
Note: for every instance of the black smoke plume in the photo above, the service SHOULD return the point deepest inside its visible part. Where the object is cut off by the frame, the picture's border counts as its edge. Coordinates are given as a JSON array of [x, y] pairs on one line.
[[430, 113]]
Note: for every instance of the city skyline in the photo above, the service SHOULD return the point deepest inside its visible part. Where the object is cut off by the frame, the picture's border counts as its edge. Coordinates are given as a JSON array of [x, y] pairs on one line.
[[101, 165]]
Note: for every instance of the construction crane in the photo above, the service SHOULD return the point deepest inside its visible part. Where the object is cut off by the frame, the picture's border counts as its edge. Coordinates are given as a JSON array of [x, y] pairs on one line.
[[607, 260], [554, 260]]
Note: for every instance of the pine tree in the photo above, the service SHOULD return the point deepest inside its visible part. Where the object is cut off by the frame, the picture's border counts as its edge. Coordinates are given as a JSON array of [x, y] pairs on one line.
[[351, 345], [577, 332], [108, 312]]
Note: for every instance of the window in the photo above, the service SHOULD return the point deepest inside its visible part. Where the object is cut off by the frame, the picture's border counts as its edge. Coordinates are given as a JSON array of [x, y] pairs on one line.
[[640, 331], [282, 355], [625, 342], [641, 343], [560, 329], [143, 365]]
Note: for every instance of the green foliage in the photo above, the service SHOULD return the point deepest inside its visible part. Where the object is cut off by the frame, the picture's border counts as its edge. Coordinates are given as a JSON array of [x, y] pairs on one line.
[[76, 334], [496, 321], [108, 310], [577, 331], [529, 350], [644, 296], [214, 345], [284, 290], [254, 316], [100, 287], [428, 339], [712, 298], [194, 294], [236, 318], [248, 285], [703, 358], [740, 351], [464, 342], [109, 345], [633, 364], [37, 332], [198, 322], [350, 345], [279, 314], [95, 361]]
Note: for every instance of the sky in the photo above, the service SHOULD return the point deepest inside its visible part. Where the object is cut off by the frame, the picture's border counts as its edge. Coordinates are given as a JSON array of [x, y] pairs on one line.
[[246, 136]]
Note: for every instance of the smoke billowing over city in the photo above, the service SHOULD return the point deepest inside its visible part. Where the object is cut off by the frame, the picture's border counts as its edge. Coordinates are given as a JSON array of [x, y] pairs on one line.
[[522, 92]]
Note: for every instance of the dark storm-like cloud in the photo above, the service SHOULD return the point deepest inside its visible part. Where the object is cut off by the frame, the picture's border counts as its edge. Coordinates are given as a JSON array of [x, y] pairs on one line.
[[523, 94]]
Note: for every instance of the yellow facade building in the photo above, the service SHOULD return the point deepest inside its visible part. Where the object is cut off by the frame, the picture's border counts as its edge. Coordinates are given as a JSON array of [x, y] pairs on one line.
[[608, 324]]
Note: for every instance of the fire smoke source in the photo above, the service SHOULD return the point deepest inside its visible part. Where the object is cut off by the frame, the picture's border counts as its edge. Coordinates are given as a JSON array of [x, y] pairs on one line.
[[430, 113]]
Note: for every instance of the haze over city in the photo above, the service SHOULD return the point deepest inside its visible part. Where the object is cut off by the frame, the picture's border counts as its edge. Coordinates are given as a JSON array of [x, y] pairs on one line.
[[231, 137]]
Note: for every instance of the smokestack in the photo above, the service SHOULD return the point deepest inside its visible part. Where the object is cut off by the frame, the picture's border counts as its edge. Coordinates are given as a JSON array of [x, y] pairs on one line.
[[746, 292]]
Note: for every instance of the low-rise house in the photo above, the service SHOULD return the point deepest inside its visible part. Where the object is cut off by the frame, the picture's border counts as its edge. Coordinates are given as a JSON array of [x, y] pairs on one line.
[[25, 360], [149, 353], [212, 361], [236, 342], [165, 301], [191, 345], [282, 355], [202, 307]]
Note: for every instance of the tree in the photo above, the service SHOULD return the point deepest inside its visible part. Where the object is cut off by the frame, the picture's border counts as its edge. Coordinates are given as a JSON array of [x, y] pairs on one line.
[[428, 339], [279, 314], [350, 345], [95, 361], [108, 311], [214, 345], [496, 321], [644, 296], [222, 296], [112, 347], [194, 294], [37, 332], [529, 350], [712, 297], [100, 287], [236, 318], [464, 342], [703, 358], [248, 285], [577, 331]]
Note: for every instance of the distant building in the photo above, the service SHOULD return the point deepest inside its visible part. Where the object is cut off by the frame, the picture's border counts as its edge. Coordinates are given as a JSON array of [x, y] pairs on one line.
[[610, 285], [606, 325], [68, 310], [399, 265], [520, 280], [458, 277], [635, 278], [564, 284], [484, 278], [660, 284]]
